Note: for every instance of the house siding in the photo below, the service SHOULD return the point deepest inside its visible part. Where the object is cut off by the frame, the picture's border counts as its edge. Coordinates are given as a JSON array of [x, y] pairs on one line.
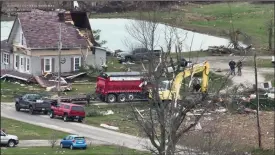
[[18, 34], [36, 65], [13, 32], [66, 67], [100, 57]]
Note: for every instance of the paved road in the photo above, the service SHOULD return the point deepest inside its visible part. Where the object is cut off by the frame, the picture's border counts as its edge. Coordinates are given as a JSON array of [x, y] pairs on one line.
[[94, 133]]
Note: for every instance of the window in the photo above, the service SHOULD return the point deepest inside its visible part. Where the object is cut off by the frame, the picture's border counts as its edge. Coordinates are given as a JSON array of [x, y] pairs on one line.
[[70, 138], [21, 61], [77, 108], [27, 64], [25, 97], [47, 64], [79, 138], [67, 107], [6, 58], [66, 138], [2, 133], [77, 63], [16, 61]]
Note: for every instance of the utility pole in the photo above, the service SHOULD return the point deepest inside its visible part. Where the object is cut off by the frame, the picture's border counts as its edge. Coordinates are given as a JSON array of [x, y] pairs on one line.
[[59, 61], [258, 103]]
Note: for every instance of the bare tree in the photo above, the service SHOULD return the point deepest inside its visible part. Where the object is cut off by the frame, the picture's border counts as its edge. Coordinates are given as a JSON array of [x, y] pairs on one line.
[[53, 139], [166, 121]]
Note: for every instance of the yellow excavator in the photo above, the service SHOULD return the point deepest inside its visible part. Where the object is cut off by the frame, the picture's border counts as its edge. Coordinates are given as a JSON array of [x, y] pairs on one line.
[[169, 90]]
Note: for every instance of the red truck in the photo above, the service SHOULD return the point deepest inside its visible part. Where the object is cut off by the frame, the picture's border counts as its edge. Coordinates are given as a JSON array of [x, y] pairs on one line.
[[120, 86], [68, 111]]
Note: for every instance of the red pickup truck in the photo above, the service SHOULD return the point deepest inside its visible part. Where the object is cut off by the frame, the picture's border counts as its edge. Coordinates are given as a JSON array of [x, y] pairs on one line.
[[68, 111]]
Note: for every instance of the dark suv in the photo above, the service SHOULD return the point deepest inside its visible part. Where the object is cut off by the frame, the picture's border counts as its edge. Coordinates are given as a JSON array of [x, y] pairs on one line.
[[137, 55]]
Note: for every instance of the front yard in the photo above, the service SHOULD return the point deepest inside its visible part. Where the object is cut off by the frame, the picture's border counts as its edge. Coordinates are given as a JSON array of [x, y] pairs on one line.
[[123, 116], [11, 89], [91, 150], [26, 131]]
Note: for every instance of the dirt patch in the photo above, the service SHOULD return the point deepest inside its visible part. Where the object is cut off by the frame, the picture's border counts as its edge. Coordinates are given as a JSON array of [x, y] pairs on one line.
[[245, 128], [237, 130]]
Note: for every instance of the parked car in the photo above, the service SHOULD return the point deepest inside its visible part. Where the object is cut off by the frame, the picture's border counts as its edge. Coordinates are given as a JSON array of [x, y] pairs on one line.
[[34, 103], [73, 141], [9, 140], [68, 111], [136, 55]]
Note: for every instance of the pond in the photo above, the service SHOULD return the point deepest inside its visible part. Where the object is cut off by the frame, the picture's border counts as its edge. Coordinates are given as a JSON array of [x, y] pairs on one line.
[[117, 36]]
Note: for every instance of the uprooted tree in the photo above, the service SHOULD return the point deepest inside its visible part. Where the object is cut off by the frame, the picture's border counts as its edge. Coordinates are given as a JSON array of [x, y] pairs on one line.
[[166, 121]]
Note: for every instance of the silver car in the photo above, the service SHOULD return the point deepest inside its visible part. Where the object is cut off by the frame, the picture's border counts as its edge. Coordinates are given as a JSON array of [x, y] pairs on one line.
[[9, 140]]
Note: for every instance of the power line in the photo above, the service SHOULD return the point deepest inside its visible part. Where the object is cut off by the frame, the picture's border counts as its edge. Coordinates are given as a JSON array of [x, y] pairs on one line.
[[59, 60]]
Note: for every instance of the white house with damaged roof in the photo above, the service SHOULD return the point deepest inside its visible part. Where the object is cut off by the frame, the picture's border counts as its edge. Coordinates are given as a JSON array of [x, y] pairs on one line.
[[32, 46]]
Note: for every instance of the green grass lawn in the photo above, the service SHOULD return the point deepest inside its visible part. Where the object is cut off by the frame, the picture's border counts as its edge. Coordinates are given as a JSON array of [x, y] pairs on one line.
[[26, 131], [262, 152], [192, 54], [122, 117], [10, 89], [114, 65], [264, 63], [213, 18], [91, 150]]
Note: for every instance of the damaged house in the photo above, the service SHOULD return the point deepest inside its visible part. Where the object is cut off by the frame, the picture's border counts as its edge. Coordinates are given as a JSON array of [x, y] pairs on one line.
[[32, 45]]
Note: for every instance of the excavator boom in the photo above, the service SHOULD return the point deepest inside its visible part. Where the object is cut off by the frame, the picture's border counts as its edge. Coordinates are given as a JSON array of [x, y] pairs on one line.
[[176, 85]]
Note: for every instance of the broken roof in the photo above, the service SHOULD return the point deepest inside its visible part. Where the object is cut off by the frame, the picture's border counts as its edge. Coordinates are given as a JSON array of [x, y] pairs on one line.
[[41, 30], [17, 75]]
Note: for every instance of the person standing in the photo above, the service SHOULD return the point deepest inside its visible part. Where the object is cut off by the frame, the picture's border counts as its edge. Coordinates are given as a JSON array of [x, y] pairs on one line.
[[239, 66], [232, 65], [88, 98], [196, 84]]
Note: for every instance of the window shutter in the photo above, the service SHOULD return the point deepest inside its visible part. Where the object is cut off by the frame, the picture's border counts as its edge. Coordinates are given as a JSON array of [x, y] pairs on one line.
[[42, 65], [53, 63], [72, 64], [14, 61], [82, 61]]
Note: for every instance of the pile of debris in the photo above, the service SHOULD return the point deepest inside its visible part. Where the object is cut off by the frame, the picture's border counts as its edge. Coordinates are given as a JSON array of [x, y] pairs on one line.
[[47, 81], [223, 50]]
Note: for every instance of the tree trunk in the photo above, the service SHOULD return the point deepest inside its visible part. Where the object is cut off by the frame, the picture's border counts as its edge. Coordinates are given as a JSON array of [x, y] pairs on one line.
[[258, 103], [171, 148]]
